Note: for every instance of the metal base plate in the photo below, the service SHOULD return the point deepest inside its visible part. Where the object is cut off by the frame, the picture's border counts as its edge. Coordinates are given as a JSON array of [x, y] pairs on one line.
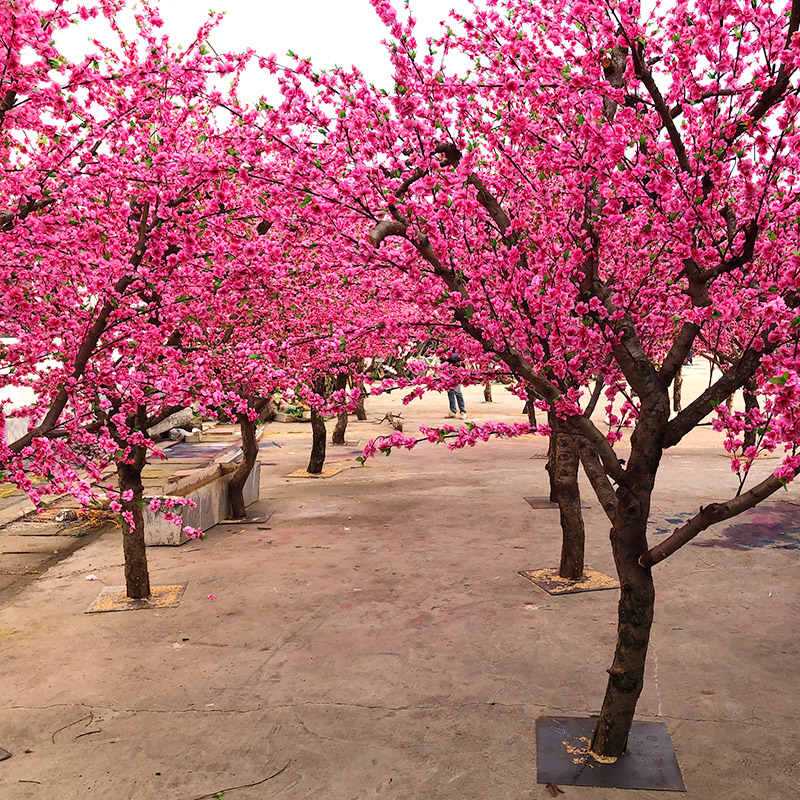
[[562, 756], [251, 520], [553, 583], [4, 754], [115, 598], [327, 472], [540, 503]]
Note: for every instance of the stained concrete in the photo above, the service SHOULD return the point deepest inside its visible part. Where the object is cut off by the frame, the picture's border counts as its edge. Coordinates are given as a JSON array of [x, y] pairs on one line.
[[374, 640]]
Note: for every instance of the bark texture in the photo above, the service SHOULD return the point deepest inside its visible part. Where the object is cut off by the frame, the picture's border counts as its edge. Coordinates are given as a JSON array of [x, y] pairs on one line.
[[750, 404], [361, 412], [341, 419], [637, 594], [564, 473], [137, 577], [530, 410], [635, 618], [677, 387], [245, 466], [318, 434], [552, 421]]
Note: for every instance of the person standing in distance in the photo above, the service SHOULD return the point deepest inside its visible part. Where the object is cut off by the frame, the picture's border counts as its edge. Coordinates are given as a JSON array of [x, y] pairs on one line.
[[455, 396]]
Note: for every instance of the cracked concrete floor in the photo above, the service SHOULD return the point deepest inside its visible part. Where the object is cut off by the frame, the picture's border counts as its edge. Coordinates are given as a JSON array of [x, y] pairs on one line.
[[373, 640]]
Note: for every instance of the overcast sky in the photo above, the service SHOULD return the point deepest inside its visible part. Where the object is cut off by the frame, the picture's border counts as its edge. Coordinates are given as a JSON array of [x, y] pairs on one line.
[[329, 32]]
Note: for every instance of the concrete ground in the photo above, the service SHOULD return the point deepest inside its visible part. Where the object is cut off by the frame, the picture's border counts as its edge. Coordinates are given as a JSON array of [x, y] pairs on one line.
[[374, 640]]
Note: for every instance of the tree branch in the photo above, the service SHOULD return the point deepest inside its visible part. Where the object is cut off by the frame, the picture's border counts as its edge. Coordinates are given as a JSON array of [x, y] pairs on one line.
[[598, 478], [734, 378], [678, 352], [384, 229], [774, 94], [90, 341], [716, 512], [646, 77]]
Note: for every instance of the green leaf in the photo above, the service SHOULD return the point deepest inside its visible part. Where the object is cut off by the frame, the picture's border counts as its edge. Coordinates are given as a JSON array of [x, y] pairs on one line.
[[781, 380]]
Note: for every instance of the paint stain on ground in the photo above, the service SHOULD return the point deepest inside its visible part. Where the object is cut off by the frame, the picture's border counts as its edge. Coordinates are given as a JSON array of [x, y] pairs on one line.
[[660, 524], [773, 525]]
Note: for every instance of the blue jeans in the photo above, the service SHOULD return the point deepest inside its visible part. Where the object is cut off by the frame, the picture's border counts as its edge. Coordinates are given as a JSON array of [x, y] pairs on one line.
[[453, 396]]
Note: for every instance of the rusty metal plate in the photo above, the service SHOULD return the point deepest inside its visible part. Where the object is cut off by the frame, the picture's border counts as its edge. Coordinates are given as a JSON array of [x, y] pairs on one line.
[[115, 598], [549, 580], [562, 757], [542, 503], [253, 519], [327, 472], [4, 754]]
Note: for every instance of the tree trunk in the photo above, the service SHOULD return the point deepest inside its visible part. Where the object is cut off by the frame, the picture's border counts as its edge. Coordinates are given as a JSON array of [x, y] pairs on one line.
[[530, 410], [677, 386], [341, 419], [361, 412], [635, 610], [245, 466], [635, 616], [552, 421], [137, 578], [487, 391], [318, 434], [750, 404], [564, 474]]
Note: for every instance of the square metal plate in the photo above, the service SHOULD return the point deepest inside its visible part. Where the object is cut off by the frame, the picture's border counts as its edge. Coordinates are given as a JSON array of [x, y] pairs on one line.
[[249, 520], [549, 580], [562, 757], [327, 472], [540, 503], [115, 598], [4, 754]]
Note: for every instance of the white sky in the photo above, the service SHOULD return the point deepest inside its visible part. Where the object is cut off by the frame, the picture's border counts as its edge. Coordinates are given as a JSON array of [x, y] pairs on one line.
[[329, 32]]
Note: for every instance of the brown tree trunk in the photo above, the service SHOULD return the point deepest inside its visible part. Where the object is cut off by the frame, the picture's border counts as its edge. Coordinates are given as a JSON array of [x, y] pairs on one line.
[[677, 386], [487, 391], [137, 578], [564, 474], [318, 434], [245, 466], [530, 410], [750, 404], [341, 419], [361, 412], [636, 602], [552, 421]]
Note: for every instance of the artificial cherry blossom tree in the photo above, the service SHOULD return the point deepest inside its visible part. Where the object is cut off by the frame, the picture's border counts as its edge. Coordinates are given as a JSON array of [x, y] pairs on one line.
[[598, 193], [116, 244]]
